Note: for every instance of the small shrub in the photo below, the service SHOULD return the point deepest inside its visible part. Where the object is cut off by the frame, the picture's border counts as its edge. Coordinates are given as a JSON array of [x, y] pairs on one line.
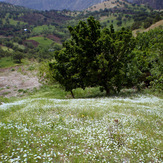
[[20, 90]]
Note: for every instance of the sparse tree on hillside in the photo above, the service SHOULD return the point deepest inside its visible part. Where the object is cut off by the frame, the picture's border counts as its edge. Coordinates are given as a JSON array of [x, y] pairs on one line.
[[18, 56]]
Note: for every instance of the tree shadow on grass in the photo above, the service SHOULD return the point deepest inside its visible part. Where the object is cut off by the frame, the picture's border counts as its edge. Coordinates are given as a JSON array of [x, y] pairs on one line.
[[96, 93], [56, 91]]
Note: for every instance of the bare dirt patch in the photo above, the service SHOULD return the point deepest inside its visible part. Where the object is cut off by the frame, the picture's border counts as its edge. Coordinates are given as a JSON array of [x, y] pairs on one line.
[[17, 81], [55, 38], [34, 43]]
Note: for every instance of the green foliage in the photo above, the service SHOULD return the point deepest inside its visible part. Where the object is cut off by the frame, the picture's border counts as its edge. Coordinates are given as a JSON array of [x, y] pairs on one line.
[[44, 29], [50, 91], [150, 57], [4, 48], [115, 59], [18, 46], [18, 56], [94, 58], [45, 74], [146, 19], [6, 62], [70, 67]]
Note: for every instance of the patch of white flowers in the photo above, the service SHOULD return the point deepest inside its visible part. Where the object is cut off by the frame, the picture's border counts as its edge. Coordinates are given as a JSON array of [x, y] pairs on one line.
[[92, 130]]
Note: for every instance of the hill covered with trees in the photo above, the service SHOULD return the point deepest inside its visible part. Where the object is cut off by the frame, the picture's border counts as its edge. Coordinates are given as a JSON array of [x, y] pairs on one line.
[[155, 4], [41, 32]]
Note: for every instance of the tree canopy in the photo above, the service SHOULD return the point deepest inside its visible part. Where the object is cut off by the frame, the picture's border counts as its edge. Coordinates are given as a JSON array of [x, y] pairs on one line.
[[94, 57]]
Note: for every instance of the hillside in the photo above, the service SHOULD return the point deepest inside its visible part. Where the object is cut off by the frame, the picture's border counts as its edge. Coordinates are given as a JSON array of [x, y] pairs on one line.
[[37, 33], [153, 26], [156, 4], [92, 130], [110, 4], [56, 5], [76, 4], [9, 7]]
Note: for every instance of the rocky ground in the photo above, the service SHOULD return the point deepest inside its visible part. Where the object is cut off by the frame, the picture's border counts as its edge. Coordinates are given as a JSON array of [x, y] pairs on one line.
[[17, 81]]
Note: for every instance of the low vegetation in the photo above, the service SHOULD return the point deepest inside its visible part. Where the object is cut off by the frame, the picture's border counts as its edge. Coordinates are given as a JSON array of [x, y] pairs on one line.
[[6, 62], [43, 41], [112, 129]]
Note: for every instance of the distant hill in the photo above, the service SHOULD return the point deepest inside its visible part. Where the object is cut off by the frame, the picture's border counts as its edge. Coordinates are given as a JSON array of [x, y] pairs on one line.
[[55, 4], [109, 4], [9, 7], [156, 4], [75, 4]]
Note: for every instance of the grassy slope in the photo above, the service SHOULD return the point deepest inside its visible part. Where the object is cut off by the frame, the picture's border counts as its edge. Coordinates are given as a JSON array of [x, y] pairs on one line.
[[6, 62], [12, 21], [115, 129], [43, 42], [42, 28], [112, 20]]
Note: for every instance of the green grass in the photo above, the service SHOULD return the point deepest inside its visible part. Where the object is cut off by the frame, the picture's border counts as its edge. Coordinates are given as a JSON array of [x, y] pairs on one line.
[[43, 129], [43, 42], [111, 18], [6, 62], [15, 22], [48, 127], [43, 28], [53, 91]]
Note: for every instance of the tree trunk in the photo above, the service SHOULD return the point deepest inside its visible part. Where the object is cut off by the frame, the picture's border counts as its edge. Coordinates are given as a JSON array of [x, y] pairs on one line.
[[72, 94], [107, 91]]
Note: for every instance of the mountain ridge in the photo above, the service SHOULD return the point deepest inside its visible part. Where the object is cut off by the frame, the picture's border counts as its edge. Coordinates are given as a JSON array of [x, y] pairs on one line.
[[55, 5], [75, 4], [155, 4]]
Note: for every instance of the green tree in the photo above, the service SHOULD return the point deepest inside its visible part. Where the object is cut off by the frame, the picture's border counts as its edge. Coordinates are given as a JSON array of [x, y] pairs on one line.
[[149, 47], [114, 61], [18, 56], [73, 65], [93, 57]]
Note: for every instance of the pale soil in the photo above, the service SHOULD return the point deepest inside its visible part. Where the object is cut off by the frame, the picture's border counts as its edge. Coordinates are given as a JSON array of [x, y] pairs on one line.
[[17, 82]]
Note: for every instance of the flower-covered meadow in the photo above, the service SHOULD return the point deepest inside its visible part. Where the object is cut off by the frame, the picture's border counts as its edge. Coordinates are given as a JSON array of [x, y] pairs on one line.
[[82, 130]]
